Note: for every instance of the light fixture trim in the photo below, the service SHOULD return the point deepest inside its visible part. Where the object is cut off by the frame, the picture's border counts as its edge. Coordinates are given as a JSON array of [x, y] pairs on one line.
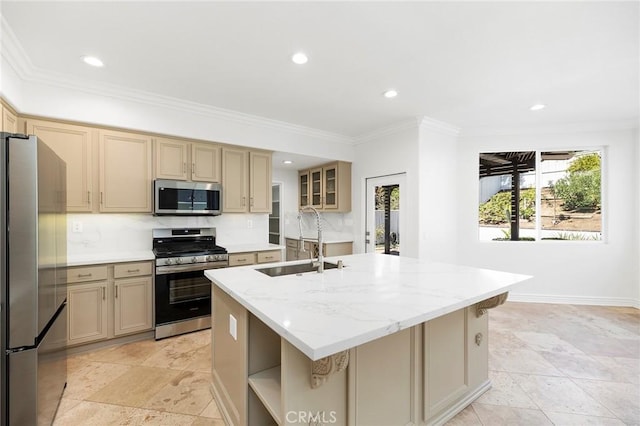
[[299, 58], [390, 94], [537, 107], [93, 61]]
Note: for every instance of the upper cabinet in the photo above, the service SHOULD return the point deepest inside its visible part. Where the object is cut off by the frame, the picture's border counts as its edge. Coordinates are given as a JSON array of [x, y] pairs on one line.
[[74, 144], [182, 160], [326, 188], [246, 181], [9, 120], [125, 172]]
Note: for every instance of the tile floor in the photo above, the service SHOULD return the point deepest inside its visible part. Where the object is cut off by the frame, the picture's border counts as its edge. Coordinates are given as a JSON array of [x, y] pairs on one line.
[[549, 364]]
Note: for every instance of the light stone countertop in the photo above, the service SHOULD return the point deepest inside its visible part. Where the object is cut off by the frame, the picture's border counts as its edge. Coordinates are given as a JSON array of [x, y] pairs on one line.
[[116, 257], [374, 295], [243, 248]]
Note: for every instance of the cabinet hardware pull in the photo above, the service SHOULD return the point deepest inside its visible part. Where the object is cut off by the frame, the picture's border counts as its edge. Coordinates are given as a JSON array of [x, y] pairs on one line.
[[83, 275], [242, 260], [88, 197], [251, 201], [184, 167], [133, 270], [103, 293], [244, 201], [268, 257], [100, 197], [116, 291], [193, 169]]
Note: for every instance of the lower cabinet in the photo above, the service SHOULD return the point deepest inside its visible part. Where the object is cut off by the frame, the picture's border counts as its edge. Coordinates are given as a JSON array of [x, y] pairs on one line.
[[107, 301], [253, 257], [311, 249]]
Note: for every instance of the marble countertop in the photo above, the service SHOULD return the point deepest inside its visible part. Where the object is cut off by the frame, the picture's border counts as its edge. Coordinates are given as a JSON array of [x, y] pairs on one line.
[[374, 295], [115, 257], [242, 248]]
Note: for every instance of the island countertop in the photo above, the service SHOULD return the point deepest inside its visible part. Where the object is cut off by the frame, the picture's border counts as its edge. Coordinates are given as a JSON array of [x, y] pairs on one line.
[[374, 295]]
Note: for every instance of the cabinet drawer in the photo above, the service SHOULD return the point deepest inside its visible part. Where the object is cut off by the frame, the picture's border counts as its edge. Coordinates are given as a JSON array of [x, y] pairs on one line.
[[88, 273], [269, 256], [239, 259], [292, 243], [123, 270]]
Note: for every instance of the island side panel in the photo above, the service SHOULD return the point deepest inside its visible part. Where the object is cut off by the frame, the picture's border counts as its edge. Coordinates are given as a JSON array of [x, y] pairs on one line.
[[455, 366], [301, 404], [384, 380], [229, 358]]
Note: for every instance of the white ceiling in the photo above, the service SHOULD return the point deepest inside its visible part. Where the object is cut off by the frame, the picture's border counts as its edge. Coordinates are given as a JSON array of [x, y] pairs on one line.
[[470, 64]]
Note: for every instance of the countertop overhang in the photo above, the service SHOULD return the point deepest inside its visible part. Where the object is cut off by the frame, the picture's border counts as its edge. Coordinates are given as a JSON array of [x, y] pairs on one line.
[[374, 295]]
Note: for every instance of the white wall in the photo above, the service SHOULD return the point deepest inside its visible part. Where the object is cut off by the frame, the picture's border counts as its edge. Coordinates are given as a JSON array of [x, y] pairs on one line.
[[391, 151], [578, 272], [438, 176]]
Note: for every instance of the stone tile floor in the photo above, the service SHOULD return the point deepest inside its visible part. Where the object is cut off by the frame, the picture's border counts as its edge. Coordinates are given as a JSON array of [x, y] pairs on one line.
[[549, 364]]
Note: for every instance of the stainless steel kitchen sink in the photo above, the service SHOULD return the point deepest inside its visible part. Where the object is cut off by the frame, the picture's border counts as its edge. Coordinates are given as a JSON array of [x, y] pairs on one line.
[[277, 271]]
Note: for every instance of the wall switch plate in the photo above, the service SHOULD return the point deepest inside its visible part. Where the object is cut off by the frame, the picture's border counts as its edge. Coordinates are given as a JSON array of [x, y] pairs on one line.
[[76, 226], [233, 327]]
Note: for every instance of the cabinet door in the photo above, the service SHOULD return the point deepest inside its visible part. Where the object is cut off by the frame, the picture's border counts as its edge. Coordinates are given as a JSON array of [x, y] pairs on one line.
[[235, 180], [260, 182], [133, 302], [87, 312], [74, 145], [330, 187], [315, 177], [9, 120], [205, 162], [125, 172], [303, 190], [171, 159]]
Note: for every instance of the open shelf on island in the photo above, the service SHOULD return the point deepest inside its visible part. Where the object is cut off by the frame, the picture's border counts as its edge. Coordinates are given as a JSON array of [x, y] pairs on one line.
[[266, 385]]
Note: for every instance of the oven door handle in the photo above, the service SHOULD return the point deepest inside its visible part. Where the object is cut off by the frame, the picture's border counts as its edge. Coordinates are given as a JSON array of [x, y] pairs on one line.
[[163, 270]]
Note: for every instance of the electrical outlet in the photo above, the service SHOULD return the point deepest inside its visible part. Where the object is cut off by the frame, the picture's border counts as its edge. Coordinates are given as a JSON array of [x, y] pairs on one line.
[[249, 223], [76, 226], [233, 327]]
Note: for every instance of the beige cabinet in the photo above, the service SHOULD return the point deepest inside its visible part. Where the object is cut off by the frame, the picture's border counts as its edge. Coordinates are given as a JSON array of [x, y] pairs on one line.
[[311, 249], [246, 181], [125, 172], [9, 120], [182, 160], [326, 188], [74, 144], [107, 301], [253, 257], [87, 307]]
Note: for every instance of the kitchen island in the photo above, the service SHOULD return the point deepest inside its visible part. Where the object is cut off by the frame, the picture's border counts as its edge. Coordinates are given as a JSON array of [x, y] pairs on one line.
[[384, 340]]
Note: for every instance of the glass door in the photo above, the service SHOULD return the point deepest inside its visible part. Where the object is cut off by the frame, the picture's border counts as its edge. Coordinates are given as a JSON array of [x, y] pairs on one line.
[[384, 218]]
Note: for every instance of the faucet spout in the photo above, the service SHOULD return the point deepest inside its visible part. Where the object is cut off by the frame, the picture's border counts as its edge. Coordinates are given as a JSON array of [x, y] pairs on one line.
[[320, 242]]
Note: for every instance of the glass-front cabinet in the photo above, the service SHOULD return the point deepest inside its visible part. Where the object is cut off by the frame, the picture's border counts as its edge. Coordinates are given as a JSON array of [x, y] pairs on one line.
[[326, 188], [316, 188], [303, 179]]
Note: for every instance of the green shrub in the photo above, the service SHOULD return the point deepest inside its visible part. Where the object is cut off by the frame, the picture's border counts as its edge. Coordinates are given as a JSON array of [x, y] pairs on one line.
[[497, 209]]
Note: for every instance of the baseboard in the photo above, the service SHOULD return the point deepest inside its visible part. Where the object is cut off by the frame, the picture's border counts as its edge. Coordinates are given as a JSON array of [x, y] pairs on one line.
[[574, 300], [450, 413]]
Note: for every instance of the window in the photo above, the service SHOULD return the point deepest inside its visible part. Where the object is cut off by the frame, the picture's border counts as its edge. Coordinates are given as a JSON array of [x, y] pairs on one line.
[[540, 195]]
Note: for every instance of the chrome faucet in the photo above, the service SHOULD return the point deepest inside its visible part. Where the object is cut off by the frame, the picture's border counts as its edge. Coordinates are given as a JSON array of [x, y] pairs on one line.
[[320, 262]]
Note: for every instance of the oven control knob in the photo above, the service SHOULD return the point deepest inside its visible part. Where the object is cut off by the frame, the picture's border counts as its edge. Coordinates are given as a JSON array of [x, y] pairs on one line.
[[194, 259], [178, 260], [211, 258], [168, 262]]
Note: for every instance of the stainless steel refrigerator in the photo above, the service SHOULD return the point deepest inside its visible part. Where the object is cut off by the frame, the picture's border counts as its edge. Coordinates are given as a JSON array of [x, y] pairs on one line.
[[33, 253]]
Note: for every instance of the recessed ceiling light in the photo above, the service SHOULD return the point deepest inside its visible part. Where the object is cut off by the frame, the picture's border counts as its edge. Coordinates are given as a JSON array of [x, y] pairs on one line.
[[300, 58], [287, 162], [390, 94], [93, 61], [537, 107]]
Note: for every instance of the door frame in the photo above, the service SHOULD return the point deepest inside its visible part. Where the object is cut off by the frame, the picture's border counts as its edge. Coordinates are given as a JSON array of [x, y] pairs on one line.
[[370, 221]]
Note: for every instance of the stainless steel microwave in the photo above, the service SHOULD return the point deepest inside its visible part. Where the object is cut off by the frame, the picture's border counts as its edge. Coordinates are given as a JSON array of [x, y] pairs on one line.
[[175, 197]]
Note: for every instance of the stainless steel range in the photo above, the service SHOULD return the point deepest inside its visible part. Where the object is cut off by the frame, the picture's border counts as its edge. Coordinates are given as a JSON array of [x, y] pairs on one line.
[[182, 292]]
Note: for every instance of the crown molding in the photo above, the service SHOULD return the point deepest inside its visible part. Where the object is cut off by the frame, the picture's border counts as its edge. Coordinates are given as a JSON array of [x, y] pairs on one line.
[[428, 123], [15, 55], [588, 127], [386, 131]]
